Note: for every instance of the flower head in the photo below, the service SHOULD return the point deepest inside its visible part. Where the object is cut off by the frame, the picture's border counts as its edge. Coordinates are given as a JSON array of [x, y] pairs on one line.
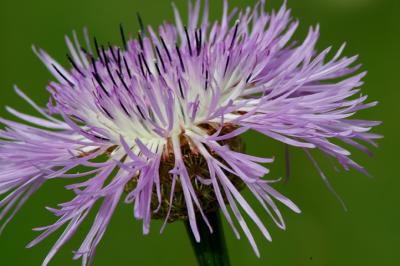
[[157, 122]]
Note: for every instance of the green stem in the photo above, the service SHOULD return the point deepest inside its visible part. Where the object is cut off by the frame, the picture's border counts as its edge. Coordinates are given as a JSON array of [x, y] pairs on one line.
[[211, 251]]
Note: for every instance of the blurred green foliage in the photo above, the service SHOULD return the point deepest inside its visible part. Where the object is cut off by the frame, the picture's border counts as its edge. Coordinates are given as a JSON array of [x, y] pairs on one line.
[[323, 235]]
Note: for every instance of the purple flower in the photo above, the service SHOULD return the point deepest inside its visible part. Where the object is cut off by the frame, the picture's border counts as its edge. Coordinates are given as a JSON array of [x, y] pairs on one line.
[[157, 123]]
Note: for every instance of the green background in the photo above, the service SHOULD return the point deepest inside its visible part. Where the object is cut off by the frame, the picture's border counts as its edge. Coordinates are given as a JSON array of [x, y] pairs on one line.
[[324, 234]]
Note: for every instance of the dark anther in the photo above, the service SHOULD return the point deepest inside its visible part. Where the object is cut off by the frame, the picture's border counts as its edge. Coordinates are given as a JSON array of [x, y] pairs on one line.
[[188, 41], [166, 49], [108, 66], [94, 64], [84, 51], [141, 25], [140, 111], [234, 35], [116, 58], [121, 28], [158, 68], [227, 64], [249, 77], [75, 66], [96, 45], [119, 62], [122, 81], [100, 82], [141, 65], [161, 59], [141, 40], [198, 37], [124, 108], [180, 89], [100, 138], [127, 68], [62, 75], [105, 110], [145, 64], [112, 52], [206, 81]]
